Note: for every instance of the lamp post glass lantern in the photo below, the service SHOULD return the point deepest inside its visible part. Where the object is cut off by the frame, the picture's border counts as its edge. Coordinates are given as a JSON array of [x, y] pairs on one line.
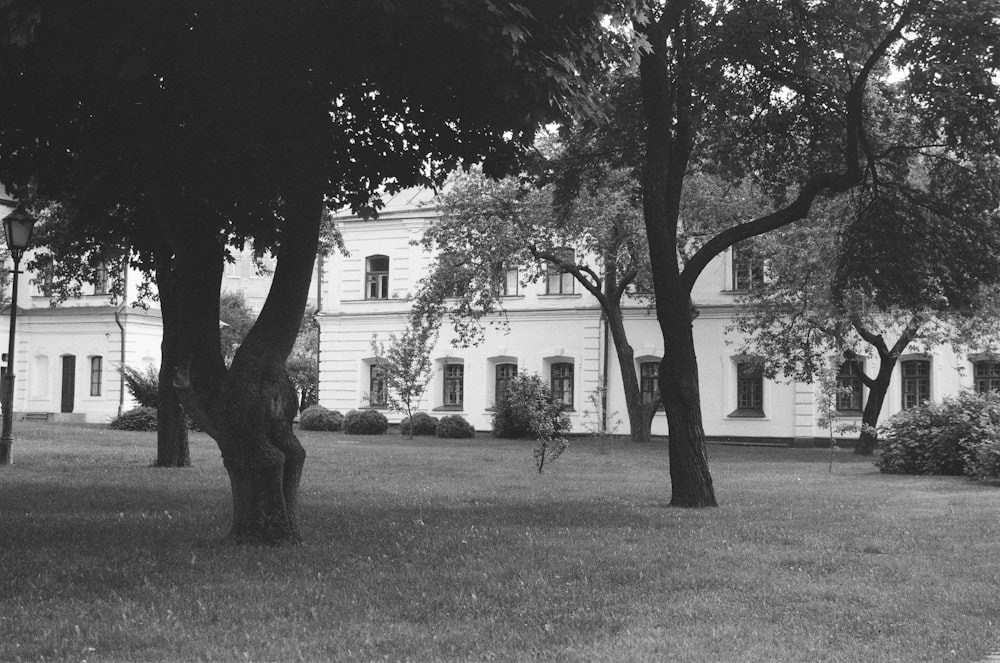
[[17, 227]]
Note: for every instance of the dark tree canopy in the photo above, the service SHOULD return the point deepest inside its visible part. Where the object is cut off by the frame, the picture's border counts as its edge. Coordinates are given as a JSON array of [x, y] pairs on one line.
[[181, 129]]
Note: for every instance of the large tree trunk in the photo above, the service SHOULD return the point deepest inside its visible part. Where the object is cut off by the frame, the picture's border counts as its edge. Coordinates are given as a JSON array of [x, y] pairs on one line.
[[248, 408], [691, 481], [172, 447]]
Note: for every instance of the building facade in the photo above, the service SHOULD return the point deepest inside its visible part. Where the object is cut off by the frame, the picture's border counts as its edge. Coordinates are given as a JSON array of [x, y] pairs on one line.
[[556, 329]]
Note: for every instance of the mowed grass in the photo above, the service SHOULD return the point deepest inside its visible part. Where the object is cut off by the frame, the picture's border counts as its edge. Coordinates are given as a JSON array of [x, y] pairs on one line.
[[437, 550]]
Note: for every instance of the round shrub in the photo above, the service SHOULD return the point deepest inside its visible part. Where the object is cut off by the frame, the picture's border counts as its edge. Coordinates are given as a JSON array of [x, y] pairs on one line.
[[527, 409], [955, 437], [317, 417], [140, 418], [423, 424], [455, 426], [365, 422]]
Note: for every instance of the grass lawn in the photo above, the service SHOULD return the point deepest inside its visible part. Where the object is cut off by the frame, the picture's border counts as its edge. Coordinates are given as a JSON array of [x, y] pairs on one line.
[[438, 550]]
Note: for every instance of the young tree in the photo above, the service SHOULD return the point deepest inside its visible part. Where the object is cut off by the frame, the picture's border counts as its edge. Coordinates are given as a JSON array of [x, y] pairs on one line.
[[406, 365], [487, 228], [181, 130], [804, 99]]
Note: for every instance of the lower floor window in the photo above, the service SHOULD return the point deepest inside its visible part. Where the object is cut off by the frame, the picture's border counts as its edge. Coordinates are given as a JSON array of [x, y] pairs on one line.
[[505, 373], [987, 375], [849, 385], [378, 394], [649, 379], [916, 382], [454, 385], [562, 383], [750, 386], [96, 374]]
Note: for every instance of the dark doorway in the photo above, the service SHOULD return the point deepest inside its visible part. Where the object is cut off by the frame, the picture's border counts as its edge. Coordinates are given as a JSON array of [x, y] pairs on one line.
[[68, 382]]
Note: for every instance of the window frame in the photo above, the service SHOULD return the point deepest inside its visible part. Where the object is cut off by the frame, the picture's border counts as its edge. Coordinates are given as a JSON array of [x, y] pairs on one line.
[[376, 280], [558, 281], [649, 375], [910, 385], [453, 392], [565, 381], [96, 376], [853, 401], [501, 381], [749, 389], [377, 376], [988, 377], [747, 270]]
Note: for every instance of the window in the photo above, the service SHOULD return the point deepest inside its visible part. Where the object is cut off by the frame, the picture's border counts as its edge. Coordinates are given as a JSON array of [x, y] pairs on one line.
[[916, 382], [505, 373], [849, 385], [96, 371], [508, 285], [562, 384], [378, 392], [749, 388], [748, 269], [649, 377], [987, 376], [101, 280], [557, 281], [232, 268], [377, 277], [454, 385]]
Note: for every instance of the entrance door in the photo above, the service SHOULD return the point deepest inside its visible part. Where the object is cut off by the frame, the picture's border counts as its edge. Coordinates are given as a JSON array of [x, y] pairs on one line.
[[68, 382]]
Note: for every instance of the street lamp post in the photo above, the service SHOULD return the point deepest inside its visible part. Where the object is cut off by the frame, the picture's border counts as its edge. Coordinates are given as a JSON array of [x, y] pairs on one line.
[[17, 227]]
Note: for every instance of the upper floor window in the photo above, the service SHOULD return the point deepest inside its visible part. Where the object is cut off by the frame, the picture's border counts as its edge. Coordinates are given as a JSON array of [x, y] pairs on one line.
[[377, 277], [849, 385], [101, 280], [378, 390], [748, 268], [454, 385], [649, 380], [562, 383], [749, 388], [96, 375], [505, 373], [916, 382], [557, 280], [987, 376], [508, 283]]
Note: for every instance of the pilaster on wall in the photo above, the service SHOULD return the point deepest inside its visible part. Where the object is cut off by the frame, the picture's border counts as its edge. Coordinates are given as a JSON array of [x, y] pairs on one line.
[[805, 414]]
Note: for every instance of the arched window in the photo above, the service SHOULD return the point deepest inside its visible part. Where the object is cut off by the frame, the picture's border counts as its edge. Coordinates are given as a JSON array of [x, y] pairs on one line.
[[377, 277], [96, 375]]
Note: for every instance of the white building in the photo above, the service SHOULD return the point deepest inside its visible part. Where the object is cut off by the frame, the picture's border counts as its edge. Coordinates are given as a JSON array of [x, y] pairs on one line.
[[556, 330]]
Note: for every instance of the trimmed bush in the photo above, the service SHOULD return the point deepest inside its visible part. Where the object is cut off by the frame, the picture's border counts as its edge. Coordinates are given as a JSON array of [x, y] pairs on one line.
[[959, 436], [139, 419], [526, 405], [317, 417], [455, 426], [423, 424], [365, 422]]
